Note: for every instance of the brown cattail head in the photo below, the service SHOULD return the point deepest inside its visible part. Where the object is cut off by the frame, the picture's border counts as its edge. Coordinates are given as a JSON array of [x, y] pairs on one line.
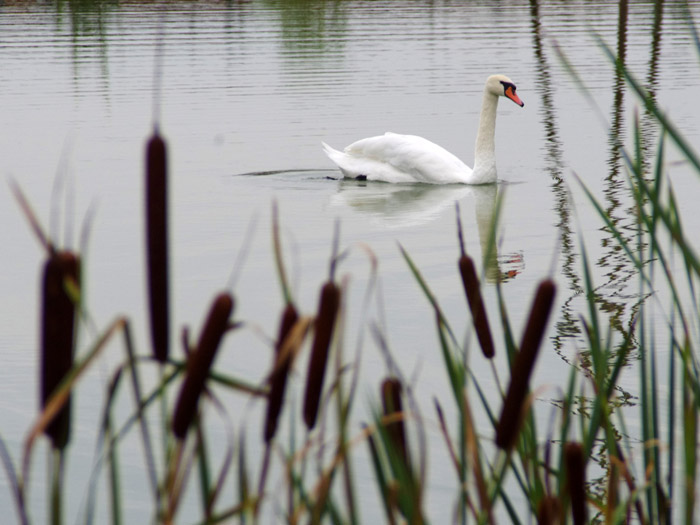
[[509, 422], [476, 305], [280, 371], [576, 481], [62, 271], [157, 244], [329, 304], [200, 362], [549, 511], [391, 403]]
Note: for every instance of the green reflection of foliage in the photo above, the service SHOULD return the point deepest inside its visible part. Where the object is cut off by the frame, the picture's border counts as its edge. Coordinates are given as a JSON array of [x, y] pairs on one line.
[[310, 26], [87, 20], [86, 17]]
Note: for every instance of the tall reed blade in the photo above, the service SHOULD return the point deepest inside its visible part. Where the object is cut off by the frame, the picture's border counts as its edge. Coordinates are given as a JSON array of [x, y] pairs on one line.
[[157, 244], [509, 422], [325, 322], [61, 272], [476, 305], [200, 362], [280, 372]]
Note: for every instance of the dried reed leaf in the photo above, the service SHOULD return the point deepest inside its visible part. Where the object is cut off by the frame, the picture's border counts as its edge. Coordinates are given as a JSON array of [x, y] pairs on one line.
[[30, 215], [200, 362], [472, 442], [446, 436], [612, 490], [59, 398], [329, 305], [157, 244]]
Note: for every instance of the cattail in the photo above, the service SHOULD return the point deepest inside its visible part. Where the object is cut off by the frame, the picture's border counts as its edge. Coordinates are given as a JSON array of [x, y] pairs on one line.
[[576, 479], [476, 305], [200, 362], [325, 321], [62, 270], [280, 372], [157, 244], [548, 511], [391, 402], [509, 422]]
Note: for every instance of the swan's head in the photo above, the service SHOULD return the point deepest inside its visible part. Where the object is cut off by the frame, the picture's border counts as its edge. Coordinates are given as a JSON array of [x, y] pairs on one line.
[[502, 86]]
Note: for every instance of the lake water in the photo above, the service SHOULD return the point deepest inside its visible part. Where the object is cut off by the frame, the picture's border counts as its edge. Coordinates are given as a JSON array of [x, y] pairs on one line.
[[247, 93]]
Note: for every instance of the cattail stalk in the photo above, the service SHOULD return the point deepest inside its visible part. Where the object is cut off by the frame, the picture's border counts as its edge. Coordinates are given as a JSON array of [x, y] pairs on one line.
[[200, 362], [280, 372], [576, 480], [62, 271], [472, 289], [157, 244], [329, 305], [509, 422]]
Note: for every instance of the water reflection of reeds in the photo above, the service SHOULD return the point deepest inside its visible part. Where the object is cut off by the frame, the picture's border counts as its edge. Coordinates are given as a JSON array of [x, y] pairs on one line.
[[567, 325], [614, 297]]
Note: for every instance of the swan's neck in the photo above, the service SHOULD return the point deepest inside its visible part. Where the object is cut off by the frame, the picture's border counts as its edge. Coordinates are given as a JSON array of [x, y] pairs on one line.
[[485, 153]]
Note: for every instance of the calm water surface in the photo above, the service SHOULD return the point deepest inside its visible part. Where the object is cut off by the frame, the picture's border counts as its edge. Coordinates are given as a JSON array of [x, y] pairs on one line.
[[248, 92]]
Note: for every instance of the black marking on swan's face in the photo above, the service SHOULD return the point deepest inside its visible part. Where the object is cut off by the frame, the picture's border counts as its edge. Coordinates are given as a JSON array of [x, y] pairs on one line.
[[507, 85], [361, 177], [509, 92]]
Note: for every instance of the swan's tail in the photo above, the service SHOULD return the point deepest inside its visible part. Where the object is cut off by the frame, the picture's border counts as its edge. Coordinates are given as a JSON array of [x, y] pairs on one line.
[[336, 156]]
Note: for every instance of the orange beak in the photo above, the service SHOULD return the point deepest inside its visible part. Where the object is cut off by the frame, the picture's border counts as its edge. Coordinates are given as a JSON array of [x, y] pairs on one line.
[[515, 98]]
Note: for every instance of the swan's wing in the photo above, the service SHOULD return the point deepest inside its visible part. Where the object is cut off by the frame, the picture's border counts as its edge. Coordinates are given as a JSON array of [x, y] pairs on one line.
[[356, 166], [418, 159]]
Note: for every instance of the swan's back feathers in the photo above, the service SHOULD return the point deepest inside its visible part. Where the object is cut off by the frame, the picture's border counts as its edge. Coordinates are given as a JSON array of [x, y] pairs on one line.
[[399, 158]]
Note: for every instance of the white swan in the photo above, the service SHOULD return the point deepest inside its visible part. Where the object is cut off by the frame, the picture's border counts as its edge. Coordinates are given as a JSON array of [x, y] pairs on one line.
[[408, 158]]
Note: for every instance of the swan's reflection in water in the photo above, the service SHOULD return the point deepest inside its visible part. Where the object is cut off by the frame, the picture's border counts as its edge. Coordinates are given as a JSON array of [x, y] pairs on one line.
[[396, 206]]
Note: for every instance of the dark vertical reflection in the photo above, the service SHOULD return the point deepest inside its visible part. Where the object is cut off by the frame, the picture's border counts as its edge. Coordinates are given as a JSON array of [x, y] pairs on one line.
[[567, 326], [614, 297], [619, 204], [649, 123], [613, 261], [611, 298], [88, 32]]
